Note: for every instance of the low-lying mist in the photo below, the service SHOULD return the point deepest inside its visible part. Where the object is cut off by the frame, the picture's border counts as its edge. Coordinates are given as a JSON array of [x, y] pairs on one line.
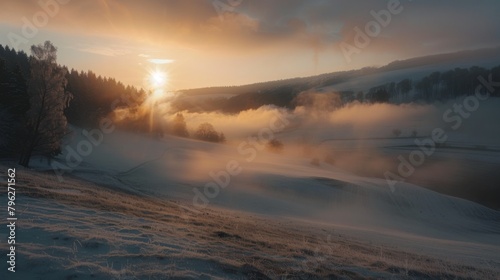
[[361, 138], [318, 117]]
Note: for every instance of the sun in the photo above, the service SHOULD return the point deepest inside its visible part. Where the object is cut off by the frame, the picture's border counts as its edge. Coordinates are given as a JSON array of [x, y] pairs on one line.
[[158, 79]]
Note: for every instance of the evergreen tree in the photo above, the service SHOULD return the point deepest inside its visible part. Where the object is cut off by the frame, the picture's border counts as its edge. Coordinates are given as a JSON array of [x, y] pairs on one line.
[[13, 106], [179, 126]]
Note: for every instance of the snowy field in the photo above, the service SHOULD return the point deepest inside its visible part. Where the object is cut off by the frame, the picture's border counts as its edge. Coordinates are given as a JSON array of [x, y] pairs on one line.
[[131, 206], [129, 211]]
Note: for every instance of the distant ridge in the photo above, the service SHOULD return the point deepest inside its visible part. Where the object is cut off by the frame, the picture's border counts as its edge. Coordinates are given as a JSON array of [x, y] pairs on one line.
[[442, 58], [460, 56]]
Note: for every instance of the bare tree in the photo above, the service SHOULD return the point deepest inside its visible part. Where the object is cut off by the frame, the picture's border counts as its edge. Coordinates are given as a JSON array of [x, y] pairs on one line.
[[206, 132], [414, 133], [47, 123], [397, 132]]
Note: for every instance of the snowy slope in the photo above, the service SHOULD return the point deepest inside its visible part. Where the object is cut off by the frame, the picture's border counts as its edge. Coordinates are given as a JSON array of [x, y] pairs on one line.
[[420, 70], [79, 230], [287, 186]]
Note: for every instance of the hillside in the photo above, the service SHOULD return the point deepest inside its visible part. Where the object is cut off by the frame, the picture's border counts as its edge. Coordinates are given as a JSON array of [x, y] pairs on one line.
[[398, 82], [131, 215]]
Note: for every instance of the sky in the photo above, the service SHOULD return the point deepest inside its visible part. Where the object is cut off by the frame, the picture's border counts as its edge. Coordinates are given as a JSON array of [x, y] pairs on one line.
[[200, 43]]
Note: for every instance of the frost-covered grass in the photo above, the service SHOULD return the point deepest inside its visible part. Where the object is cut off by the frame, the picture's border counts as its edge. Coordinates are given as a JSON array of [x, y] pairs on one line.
[[80, 230]]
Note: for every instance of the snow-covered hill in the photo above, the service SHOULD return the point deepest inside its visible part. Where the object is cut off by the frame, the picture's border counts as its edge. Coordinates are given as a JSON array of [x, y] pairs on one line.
[[133, 209], [291, 187]]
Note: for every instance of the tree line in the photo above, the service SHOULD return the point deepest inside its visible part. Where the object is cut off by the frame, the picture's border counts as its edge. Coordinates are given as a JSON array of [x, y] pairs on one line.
[[39, 97], [437, 86]]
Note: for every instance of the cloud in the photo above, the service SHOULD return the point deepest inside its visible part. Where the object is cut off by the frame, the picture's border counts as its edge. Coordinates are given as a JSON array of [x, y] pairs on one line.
[[314, 24], [239, 125], [105, 51], [161, 61]]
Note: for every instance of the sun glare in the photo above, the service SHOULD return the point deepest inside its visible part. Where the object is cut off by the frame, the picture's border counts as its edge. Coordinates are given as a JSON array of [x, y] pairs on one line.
[[158, 79]]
